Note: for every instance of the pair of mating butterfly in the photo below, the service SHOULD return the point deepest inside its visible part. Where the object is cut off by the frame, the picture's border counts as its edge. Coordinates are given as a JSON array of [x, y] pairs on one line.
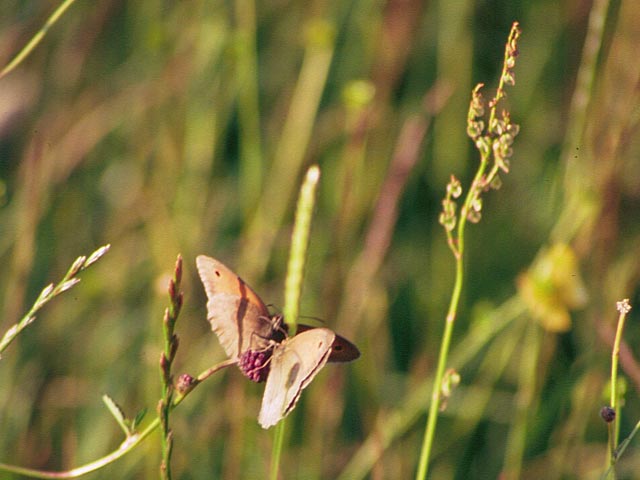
[[258, 340]]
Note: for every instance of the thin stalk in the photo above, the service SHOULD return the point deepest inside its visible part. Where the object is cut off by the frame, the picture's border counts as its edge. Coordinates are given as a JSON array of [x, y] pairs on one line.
[[49, 293], [166, 361], [614, 427], [458, 251], [293, 283], [37, 38]]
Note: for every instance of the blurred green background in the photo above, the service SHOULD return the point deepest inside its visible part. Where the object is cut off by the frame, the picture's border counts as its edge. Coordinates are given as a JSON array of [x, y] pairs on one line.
[[166, 127]]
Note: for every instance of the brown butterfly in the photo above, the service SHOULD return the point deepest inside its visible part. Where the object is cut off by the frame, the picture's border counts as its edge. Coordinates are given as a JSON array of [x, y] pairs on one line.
[[248, 332]]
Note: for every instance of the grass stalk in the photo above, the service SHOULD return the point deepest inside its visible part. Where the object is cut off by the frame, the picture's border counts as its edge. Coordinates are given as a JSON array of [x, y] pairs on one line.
[[49, 293], [37, 38], [292, 145], [293, 283]]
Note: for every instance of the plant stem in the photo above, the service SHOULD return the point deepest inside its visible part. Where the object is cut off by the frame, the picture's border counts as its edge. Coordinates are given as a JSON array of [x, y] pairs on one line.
[[458, 251], [485, 143], [614, 427], [166, 360], [50, 292], [37, 38], [432, 417], [293, 283]]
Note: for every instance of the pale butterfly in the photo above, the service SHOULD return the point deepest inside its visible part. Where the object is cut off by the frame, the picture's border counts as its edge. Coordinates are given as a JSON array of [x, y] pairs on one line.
[[248, 332]]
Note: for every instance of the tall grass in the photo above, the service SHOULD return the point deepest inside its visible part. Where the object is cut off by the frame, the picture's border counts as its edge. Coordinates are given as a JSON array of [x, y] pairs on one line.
[[186, 127]]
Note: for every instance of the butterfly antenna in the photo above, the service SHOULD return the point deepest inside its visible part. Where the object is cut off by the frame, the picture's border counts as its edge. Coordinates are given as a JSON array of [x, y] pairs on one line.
[[277, 309], [317, 319]]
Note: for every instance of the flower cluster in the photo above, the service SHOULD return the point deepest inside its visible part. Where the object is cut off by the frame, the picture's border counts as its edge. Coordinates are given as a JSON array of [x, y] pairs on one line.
[[255, 364], [448, 215], [493, 140]]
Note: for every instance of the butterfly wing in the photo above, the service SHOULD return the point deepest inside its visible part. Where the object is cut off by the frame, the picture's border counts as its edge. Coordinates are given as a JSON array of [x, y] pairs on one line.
[[237, 315], [295, 362], [342, 350]]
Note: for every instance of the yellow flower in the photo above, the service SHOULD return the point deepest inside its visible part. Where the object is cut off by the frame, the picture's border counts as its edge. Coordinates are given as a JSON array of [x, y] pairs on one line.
[[552, 287]]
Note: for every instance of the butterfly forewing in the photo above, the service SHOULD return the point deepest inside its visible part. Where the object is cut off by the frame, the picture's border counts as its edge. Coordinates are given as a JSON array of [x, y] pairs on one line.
[[295, 362], [237, 315]]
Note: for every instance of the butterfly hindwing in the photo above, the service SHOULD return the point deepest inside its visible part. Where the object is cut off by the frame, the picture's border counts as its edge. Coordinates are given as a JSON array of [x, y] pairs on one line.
[[342, 350], [294, 363]]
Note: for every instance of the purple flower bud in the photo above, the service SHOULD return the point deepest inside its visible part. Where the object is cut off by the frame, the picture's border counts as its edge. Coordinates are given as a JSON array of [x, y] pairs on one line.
[[255, 364], [608, 414], [185, 383]]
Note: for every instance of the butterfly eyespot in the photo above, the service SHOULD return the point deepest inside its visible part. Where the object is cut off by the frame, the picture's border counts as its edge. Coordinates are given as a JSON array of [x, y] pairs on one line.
[[218, 274], [293, 374], [337, 348]]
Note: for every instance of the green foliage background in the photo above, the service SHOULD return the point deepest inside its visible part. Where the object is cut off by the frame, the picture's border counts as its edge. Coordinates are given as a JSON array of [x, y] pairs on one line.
[[185, 127]]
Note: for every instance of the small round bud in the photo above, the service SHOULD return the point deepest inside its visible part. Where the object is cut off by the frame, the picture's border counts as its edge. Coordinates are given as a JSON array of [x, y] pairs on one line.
[[608, 414], [185, 383]]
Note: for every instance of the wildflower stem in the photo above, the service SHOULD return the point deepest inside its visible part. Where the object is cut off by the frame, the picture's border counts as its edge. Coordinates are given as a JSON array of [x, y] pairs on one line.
[[614, 427], [492, 142], [457, 248], [434, 406], [166, 360]]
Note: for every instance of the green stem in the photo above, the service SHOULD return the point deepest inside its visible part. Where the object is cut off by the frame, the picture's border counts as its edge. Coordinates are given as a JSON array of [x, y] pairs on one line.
[[458, 251], [276, 453], [432, 417], [293, 283], [37, 38], [614, 427]]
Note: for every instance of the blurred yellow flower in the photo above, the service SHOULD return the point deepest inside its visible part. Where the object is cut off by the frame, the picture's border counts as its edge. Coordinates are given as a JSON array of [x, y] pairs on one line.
[[552, 287]]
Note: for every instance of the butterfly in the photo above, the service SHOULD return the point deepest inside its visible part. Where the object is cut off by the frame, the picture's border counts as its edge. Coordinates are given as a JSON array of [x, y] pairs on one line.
[[259, 340]]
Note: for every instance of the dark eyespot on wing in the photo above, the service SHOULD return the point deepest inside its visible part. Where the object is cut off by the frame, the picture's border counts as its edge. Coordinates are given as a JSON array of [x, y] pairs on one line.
[[293, 374]]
